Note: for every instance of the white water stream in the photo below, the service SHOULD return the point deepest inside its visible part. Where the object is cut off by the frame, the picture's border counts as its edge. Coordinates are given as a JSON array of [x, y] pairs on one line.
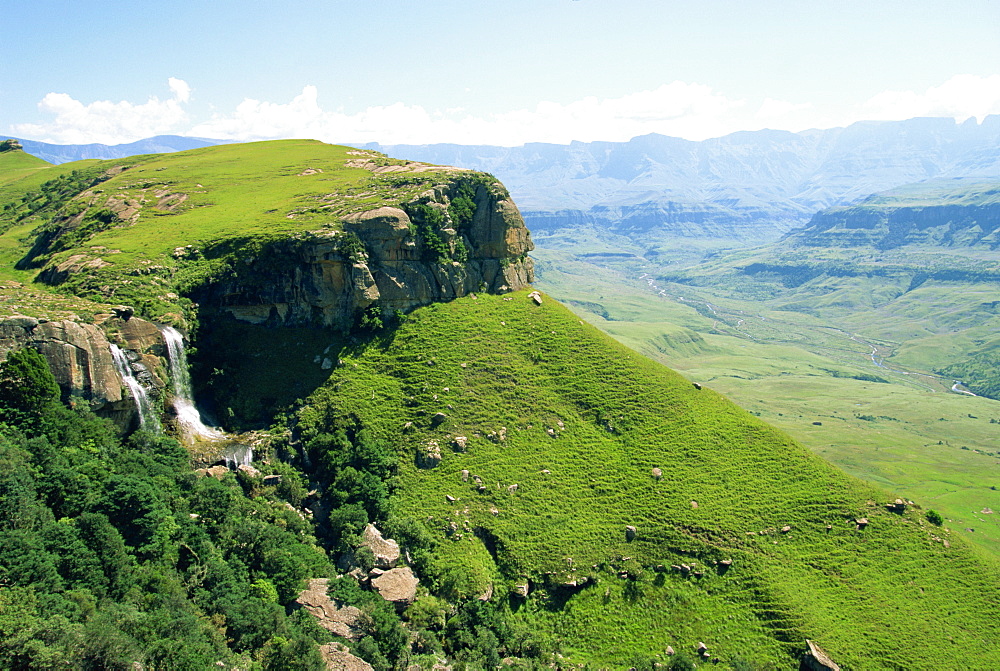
[[148, 419], [188, 418]]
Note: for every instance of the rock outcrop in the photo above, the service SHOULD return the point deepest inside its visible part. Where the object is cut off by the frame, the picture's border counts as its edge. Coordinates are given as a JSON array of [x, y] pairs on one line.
[[341, 620], [385, 550], [381, 258], [79, 356], [338, 657]]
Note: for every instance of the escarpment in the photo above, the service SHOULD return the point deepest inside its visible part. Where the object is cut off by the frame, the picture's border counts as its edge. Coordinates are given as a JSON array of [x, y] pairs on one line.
[[396, 258]]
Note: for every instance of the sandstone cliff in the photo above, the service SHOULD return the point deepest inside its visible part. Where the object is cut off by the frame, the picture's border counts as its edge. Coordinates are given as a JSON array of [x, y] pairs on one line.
[[79, 356], [326, 278]]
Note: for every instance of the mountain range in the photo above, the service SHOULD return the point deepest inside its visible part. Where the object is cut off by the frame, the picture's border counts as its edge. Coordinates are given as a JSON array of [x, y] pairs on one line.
[[159, 144], [752, 185]]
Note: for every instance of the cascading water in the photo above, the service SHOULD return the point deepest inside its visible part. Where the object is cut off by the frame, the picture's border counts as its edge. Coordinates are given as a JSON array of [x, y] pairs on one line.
[[148, 419], [191, 425]]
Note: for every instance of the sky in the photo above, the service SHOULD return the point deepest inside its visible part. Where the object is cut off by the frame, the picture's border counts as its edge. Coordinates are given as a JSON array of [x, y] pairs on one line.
[[505, 72]]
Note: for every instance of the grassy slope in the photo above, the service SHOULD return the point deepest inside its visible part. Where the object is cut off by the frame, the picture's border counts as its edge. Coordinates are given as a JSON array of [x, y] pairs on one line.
[[913, 442], [492, 363]]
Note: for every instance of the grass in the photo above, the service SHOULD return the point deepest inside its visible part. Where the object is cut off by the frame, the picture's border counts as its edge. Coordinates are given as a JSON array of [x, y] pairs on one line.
[[598, 417], [792, 369]]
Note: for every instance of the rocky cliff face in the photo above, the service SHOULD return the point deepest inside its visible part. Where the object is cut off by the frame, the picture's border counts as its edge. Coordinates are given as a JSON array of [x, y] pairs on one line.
[[79, 356], [406, 258]]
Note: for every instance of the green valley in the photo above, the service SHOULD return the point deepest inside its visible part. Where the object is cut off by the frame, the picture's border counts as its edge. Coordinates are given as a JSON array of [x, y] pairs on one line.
[[851, 348]]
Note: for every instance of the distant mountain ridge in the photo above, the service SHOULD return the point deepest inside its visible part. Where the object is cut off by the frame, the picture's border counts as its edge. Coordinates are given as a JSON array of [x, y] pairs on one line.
[[944, 213], [752, 185], [160, 144]]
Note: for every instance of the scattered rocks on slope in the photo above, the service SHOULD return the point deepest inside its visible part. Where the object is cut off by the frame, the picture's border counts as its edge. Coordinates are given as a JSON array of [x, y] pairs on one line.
[[429, 455], [498, 436], [340, 620]]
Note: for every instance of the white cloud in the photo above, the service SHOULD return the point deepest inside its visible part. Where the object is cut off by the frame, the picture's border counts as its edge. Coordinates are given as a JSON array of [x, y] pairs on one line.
[[180, 88], [680, 109], [688, 110], [105, 121], [961, 97]]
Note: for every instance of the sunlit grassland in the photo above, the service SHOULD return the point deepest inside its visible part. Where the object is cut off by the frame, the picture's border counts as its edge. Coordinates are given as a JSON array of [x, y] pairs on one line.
[[585, 421], [910, 434]]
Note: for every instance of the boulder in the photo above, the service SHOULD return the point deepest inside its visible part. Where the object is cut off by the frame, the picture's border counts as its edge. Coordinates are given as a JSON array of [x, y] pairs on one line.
[[816, 659], [386, 550], [338, 657], [460, 443], [522, 588], [340, 620], [398, 585], [630, 533]]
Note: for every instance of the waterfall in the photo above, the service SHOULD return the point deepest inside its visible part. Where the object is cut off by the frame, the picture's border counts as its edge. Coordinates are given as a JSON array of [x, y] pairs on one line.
[[148, 419], [237, 455], [188, 417]]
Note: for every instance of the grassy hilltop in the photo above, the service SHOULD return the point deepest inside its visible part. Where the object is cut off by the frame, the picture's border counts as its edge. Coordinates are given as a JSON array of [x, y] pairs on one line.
[[127, 222], [564, 500]]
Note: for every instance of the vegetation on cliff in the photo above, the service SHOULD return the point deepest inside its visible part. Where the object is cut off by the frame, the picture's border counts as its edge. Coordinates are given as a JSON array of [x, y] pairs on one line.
[[148, 230]]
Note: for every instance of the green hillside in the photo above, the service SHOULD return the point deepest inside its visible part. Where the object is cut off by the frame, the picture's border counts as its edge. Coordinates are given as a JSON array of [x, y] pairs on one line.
[[128, 224], [852, 350], [586, 421]]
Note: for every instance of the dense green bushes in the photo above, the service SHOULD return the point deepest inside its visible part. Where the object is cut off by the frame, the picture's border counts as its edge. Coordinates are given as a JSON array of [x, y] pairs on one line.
[[112, 552]]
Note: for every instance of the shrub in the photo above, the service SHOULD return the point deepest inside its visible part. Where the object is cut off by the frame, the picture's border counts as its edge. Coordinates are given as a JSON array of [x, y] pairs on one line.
[[935, 518]]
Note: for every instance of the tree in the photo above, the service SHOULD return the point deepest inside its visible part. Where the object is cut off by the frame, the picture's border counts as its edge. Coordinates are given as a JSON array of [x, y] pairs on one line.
[[28, 391]]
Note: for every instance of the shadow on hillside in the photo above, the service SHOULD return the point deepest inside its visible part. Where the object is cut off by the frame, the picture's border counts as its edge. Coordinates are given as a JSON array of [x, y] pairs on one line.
[[245, 374]]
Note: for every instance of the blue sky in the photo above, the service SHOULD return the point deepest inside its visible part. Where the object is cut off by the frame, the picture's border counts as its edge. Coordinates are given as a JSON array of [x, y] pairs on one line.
[[503, 72]]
